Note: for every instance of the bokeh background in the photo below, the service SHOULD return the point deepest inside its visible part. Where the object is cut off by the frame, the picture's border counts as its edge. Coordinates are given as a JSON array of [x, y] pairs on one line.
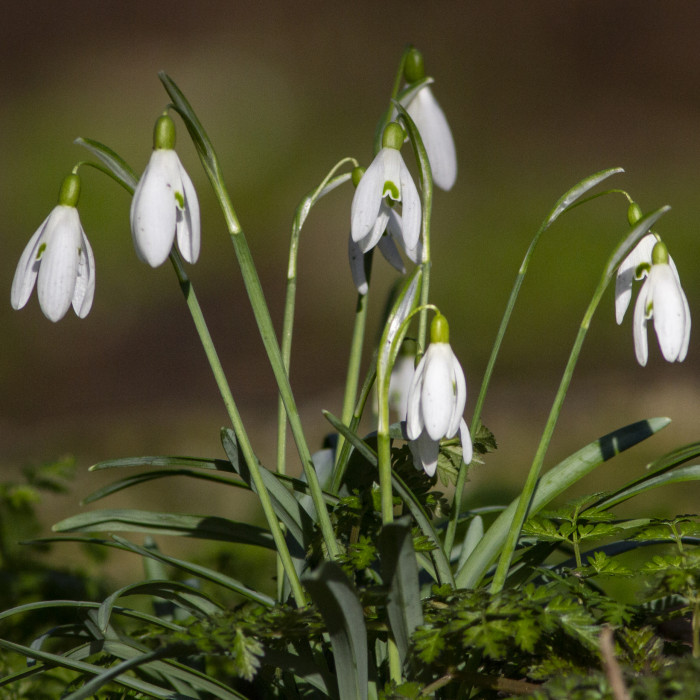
[[539, 95]]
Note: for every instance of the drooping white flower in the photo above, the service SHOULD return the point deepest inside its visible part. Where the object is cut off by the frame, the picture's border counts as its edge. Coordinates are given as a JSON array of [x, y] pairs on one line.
[[59, 260], [436, 401], [435, 132], [386, 177], [165, 204], [662, 298]]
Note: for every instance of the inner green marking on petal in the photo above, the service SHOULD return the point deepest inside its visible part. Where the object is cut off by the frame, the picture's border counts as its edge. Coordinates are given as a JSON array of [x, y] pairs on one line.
[[642, 268], [648, 309], [180, 199], [392, 190], [41, 250]]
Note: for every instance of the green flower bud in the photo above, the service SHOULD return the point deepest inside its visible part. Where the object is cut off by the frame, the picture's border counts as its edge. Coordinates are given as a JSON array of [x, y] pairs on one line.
[[439, 330], [413, 69], [69, 193], [634, 213], [357, 174], [393, 136], [164, 133], [659, 254]]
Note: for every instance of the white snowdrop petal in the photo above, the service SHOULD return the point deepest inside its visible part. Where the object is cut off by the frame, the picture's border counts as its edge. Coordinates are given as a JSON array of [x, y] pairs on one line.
[[391, 253], [153, 210], [366, 201], [188, 222], [437, 394], [460, 397], [466, 439], [59, 264], [414, 416], [437, 137], [357, 266], [85, 281], [641, 348], [27, 268], [410, 209], [425, 453], [668, 311]]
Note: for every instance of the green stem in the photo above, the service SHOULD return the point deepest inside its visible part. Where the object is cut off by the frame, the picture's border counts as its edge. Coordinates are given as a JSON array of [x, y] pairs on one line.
[[565, 202], [532, 478], [352, 379], [237, 423], [260, 309]]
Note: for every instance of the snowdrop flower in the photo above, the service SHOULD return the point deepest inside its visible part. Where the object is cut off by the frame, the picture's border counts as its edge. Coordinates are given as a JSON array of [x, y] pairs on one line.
[[436, 401], [386, 182], [165, 203], [389, 228], [59, 259], [432, 124], [662, 299]]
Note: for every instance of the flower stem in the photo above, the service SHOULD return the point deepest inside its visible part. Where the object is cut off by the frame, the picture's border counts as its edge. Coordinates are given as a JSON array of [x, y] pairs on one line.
[[353, 375], [243, 441], [531, 482], [260, 309], [565, 202]]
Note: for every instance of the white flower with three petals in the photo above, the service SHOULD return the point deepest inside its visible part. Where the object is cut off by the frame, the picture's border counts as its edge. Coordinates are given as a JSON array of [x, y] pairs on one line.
[[436, 400], [663, 299], [386, 178], [165, 204], [59, 260]]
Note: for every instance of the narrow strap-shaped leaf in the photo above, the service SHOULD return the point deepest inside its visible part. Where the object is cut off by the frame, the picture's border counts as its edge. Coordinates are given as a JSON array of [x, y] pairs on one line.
[[200, 526], [145, 477], [152, 661], [676, 476], [165, 461], [179, 593], [115, 165], [63, 661], [337, 601], [551, 484], [400, 574], [287, 508]]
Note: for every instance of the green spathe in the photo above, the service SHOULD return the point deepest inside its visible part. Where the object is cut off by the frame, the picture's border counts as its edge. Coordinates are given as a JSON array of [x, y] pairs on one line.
[[413, 68], [393, 136], [69, 194], [439, 330], [164, 133]]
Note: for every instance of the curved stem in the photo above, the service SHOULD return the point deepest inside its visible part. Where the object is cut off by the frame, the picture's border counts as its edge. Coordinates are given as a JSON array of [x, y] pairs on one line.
[[260, 309], [531, 482]]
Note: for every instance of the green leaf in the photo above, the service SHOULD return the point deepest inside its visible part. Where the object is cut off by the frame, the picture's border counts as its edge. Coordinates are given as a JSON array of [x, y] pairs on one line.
[[151, 661], [286, 507], [115, 166], [400, 575], [577, 191], [200, 526], [180, 594], [337, 601], [649, 482], [165, 461], [552, 484], [145, 477]]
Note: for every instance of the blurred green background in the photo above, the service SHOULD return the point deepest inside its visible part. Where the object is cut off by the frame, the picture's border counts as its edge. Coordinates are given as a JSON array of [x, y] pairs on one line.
[[539, 94]]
